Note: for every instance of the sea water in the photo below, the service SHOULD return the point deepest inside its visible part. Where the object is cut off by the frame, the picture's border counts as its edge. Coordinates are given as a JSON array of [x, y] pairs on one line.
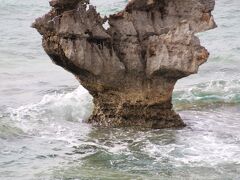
[[42, 109]]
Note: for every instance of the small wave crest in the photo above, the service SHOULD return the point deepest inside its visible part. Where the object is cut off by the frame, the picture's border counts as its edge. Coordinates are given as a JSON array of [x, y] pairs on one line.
[[8, 131], [213, 92]]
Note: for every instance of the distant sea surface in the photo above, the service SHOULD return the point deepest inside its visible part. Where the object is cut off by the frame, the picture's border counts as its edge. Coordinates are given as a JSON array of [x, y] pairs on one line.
[[42, 108]]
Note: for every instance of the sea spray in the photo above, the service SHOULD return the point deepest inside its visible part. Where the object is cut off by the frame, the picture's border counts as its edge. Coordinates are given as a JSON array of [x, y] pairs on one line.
[[56, 116]]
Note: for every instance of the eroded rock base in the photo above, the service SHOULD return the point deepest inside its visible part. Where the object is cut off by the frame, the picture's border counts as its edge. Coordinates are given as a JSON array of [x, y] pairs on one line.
[[111, 111]]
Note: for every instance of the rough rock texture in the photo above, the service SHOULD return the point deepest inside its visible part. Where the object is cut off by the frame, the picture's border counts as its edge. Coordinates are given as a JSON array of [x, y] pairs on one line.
[[131, 68]]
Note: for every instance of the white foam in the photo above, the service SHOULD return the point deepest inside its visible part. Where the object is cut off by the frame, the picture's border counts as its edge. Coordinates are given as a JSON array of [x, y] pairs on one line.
[[57, 116], [208, 143]]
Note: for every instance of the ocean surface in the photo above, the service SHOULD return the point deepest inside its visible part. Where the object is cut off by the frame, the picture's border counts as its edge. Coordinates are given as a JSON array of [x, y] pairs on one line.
[[42, 108]]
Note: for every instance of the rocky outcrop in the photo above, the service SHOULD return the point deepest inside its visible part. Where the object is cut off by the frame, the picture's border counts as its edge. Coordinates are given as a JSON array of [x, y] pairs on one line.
[[130, 68]]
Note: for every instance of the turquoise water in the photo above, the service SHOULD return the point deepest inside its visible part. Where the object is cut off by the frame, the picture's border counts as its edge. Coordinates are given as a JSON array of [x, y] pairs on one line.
[[42, 107]]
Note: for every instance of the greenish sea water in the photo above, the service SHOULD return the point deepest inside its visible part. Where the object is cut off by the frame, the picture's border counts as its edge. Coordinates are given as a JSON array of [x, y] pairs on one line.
[[42, 136]]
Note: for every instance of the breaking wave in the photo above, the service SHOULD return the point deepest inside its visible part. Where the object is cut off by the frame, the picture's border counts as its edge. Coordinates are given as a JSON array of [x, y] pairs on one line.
[[56, 116]]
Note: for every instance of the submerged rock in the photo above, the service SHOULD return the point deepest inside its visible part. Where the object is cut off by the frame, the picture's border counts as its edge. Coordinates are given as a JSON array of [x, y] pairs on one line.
[[131, 68]]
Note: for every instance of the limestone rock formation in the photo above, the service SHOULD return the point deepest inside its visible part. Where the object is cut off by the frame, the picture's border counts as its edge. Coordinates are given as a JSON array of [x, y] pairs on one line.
[[130, 68]]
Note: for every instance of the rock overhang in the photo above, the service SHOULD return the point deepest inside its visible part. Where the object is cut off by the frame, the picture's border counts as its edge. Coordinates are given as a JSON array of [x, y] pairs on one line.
[[130, 68]]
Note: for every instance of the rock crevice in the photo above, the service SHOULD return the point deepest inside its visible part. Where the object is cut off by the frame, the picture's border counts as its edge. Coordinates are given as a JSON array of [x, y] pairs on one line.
[[131, 68]]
